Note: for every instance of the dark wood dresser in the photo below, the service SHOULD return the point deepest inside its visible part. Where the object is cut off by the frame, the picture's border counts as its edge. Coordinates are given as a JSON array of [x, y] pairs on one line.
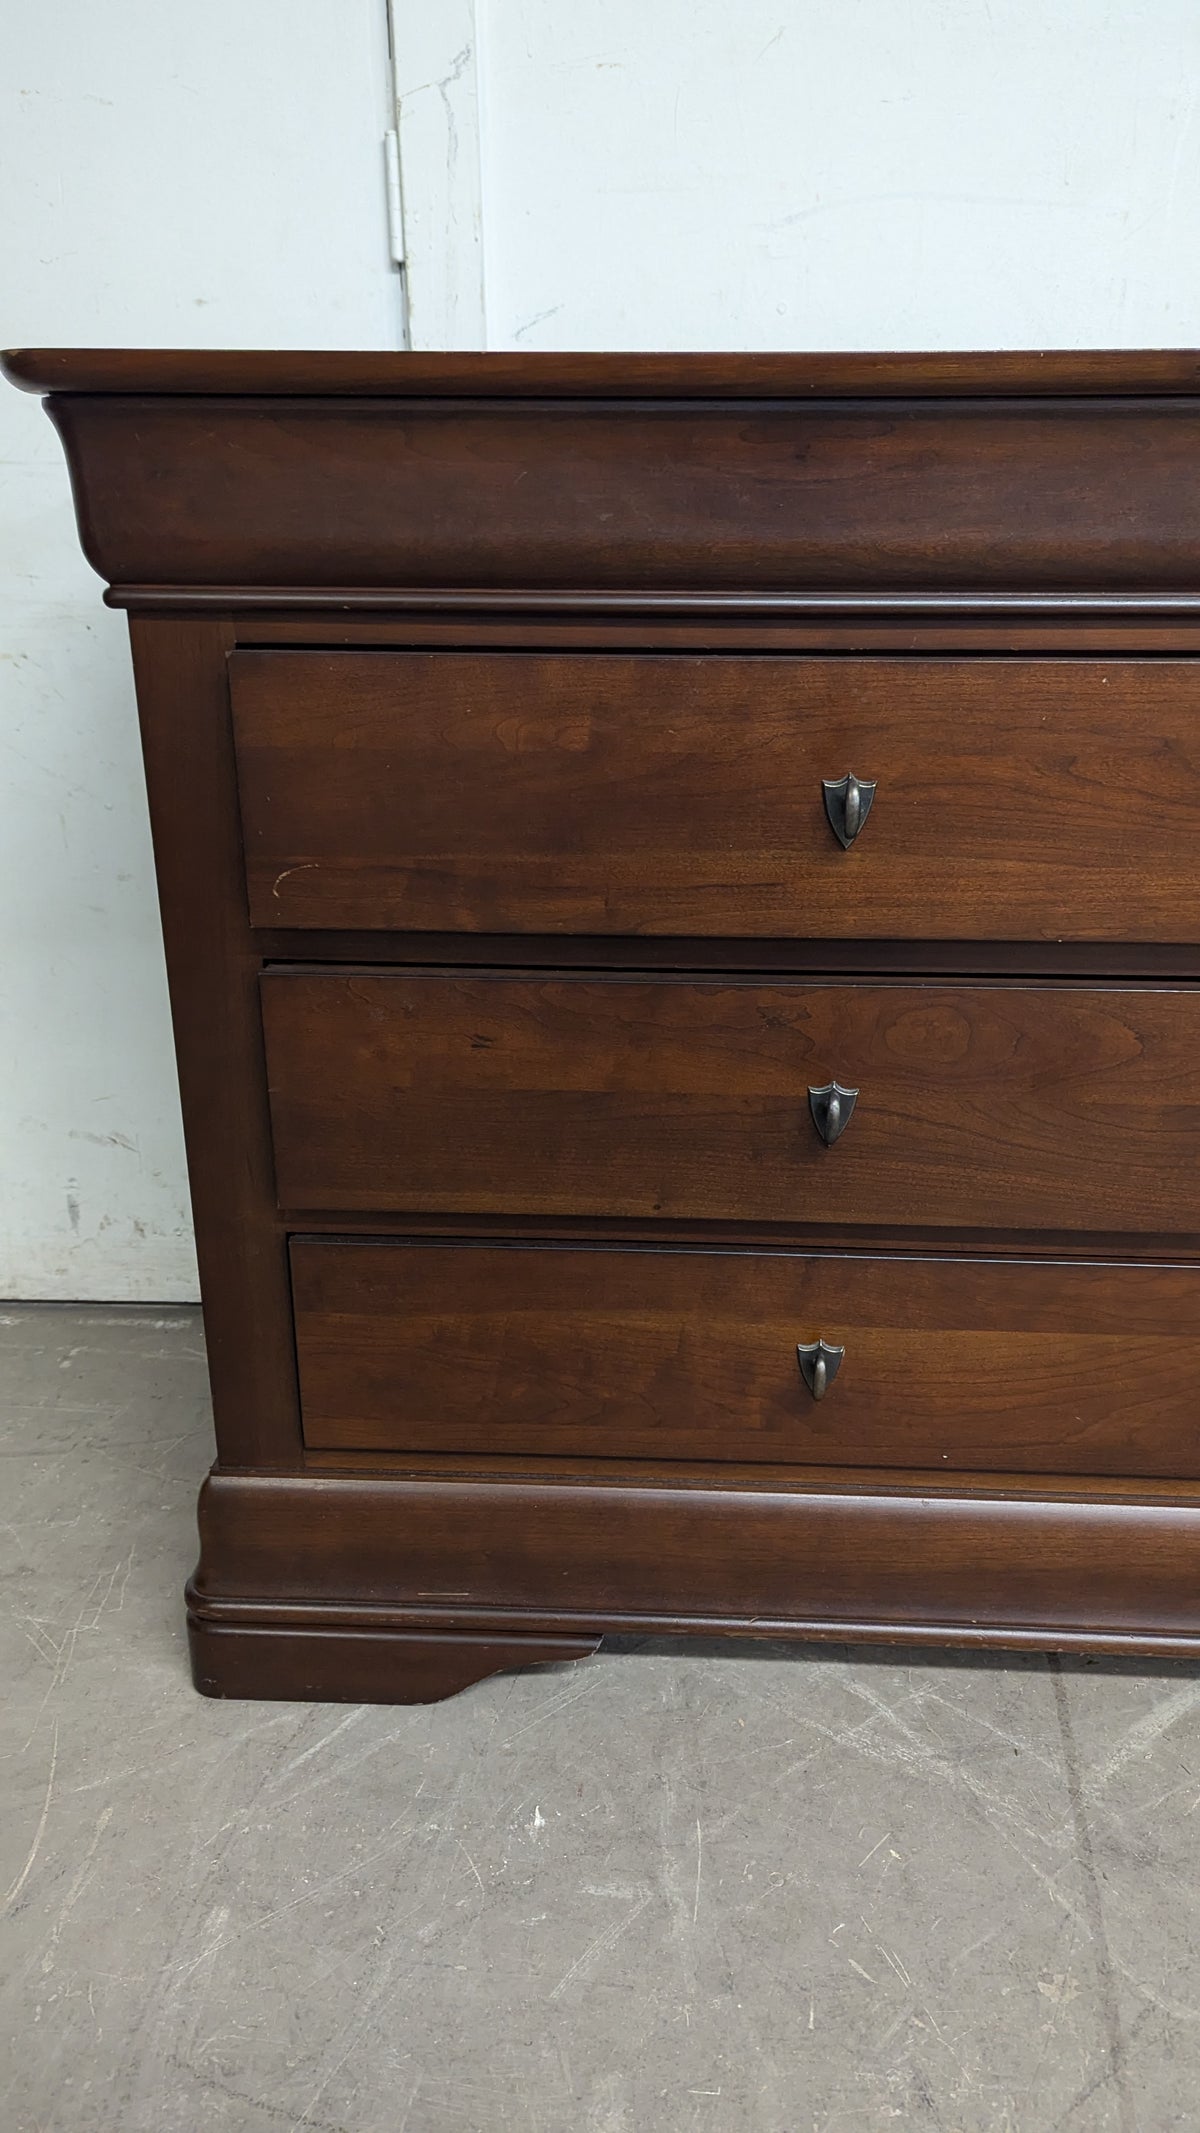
[[681, 884]]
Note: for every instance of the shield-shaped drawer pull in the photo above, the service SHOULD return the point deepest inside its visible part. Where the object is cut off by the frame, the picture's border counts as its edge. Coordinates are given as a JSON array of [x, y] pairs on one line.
[[847, 804], [819, 1365], [832, 1108]]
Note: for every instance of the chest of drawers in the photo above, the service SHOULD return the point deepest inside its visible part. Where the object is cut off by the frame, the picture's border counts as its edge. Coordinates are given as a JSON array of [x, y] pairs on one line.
[[681, 886]]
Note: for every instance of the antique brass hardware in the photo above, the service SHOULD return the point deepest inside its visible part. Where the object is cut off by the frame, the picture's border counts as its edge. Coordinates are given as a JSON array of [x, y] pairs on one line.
[[832, 1109], [847, 804], [819, 1365]]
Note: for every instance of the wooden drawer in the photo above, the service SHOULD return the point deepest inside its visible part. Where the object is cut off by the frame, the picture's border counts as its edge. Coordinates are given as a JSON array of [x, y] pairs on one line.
[[593, 793], [1063, 1107], [967, 1364]]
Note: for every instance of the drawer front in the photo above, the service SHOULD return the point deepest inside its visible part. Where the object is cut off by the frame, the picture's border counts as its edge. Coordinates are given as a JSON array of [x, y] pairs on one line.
[[1056, 1107], [964, 1365], [668, 794]]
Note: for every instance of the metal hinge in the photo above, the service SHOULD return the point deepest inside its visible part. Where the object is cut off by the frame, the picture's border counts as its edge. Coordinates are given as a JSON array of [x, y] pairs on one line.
[[395, 203]]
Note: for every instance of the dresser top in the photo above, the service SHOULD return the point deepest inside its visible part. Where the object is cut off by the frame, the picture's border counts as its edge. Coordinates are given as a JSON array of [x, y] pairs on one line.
[[388, 375]]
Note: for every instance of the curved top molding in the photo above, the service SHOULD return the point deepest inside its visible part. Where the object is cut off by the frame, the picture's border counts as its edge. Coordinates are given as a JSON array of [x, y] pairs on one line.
[[743, 479], [1047, 373]]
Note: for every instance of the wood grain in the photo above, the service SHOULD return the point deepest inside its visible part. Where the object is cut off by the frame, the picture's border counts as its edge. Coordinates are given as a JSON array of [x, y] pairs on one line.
[[1069, 1107], [631, 794], [886, 495], [541, 663], [342, 1665], [212, 969], [768, 1557], [692, 1355], [542, 374]]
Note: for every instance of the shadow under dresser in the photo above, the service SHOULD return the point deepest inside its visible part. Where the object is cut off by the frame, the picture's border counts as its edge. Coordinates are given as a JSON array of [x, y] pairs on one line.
[[681, 888]]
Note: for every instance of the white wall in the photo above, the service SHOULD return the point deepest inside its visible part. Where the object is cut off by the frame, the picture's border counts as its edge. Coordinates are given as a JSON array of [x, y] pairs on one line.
[[645, 173], [171, 176], [869, 174]]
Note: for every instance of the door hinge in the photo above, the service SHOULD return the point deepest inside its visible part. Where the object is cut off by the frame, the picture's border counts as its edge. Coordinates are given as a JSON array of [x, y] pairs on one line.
[[395, 204]]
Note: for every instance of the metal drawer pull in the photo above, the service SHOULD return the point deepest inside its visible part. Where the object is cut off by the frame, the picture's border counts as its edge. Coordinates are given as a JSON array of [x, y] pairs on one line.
[[832, 1110], [847, 804], [819, 1365]]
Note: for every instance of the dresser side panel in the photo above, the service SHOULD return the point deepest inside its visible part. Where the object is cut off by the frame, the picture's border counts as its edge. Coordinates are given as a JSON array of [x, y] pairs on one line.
[[212, 968]]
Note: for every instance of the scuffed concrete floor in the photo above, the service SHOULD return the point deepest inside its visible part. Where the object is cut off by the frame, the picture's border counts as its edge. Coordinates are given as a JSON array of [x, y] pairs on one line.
[[662, 1892]]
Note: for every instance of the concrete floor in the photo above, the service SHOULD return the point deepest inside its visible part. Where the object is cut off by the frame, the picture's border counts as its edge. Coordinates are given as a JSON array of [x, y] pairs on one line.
[[662, 1892]]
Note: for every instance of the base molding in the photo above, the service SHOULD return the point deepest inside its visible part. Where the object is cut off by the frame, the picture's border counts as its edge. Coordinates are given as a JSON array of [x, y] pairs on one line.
[[336, 1664], [406, 1588]]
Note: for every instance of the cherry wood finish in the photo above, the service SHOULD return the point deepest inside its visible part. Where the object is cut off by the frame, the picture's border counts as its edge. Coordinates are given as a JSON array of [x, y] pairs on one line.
[[213, 971], [1112, 624], [880, 618], [757, 1553], [536, 665], [692, 1355], [1118, 373], [522, 952], [946, 496], [360, 1664], [1018, 1106], [609, 793]]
